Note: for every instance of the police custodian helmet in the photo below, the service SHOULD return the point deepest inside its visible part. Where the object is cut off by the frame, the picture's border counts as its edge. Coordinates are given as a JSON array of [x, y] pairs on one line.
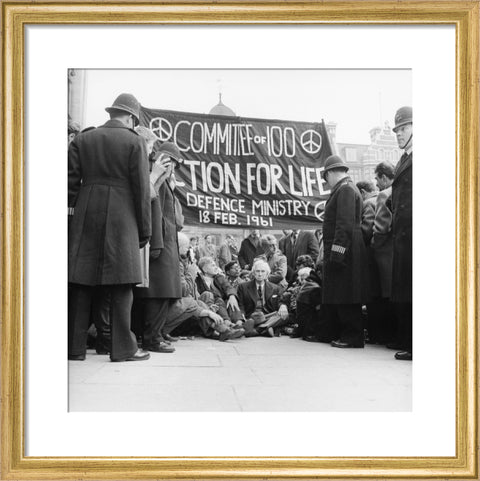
[[334, 162], [403, 117], [126, 103]]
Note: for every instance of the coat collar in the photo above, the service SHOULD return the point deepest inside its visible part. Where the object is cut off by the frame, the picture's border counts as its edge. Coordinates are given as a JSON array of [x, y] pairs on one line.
[[116, 124], [340, 183], [405, 164]]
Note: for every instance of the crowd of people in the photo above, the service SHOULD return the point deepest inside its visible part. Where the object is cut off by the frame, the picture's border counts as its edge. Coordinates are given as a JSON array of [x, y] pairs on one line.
[[139, 284]]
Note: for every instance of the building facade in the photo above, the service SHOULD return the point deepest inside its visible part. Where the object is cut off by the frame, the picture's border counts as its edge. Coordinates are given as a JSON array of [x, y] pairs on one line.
[[362, 159]]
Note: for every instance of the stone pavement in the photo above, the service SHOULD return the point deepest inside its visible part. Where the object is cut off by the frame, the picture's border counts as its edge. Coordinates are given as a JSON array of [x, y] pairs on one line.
[[255, 374]]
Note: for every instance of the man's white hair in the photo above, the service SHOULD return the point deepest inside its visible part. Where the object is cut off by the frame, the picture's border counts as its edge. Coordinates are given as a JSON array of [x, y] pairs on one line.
[[263, 263]]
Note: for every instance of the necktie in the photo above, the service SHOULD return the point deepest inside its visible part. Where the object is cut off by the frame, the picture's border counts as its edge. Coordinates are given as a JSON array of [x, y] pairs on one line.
[[260, 296], [294, 238]]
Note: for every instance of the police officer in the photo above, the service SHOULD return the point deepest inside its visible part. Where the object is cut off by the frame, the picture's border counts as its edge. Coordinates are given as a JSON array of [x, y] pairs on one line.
[[109, 198], [345, 268], [402, 233]]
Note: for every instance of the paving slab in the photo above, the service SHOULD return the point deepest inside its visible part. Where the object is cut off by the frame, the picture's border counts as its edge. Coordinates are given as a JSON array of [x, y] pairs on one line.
[[255, 374]]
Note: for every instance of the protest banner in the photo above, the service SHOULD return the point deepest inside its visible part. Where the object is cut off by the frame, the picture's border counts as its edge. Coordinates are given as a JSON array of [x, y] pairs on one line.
[[244, 172]]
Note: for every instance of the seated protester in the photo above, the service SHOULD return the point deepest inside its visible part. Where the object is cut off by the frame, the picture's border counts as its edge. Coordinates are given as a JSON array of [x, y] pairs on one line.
[[311, 317], [276, 260], [301, 262], [212, 324], [215, 290], [245, 275], [189, 306], [232, 272], [289, 297], [259, 301]]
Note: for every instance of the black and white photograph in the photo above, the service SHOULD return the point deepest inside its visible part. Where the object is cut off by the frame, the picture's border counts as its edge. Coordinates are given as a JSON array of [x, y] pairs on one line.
[[240, 240]]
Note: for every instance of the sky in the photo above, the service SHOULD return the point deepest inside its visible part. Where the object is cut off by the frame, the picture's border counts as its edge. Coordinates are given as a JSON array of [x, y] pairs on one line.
[[357, 100]]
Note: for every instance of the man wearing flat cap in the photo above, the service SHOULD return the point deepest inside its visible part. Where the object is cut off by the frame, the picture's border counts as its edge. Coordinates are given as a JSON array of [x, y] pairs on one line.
[[402, 233], [345, 263], [109, 199]]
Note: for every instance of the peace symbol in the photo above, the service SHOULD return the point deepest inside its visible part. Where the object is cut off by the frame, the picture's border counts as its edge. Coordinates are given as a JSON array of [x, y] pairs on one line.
[[162, 128], [311, 141]]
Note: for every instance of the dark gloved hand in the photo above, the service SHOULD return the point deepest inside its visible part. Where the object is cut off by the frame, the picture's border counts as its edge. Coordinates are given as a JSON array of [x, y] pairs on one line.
[[144, 241]]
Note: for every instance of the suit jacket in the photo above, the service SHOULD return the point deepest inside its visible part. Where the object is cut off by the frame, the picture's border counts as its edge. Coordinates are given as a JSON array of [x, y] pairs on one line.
[[306, 244], [402, 231], [248, 296], [109, 189], [345, 269]]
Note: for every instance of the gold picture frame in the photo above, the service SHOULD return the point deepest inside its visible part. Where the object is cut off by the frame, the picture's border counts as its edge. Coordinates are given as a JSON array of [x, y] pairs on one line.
[[464, 15]]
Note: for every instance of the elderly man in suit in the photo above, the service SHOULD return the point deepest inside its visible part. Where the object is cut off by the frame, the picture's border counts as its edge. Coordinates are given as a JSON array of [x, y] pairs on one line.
[[402, 233], [259, 300], [109, 199]]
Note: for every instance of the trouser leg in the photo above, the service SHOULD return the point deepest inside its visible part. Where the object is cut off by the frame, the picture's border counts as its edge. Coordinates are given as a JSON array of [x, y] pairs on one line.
[[79, 309], [101, 319], [155, 311], [331, 322], [375, 320], [123, 342], [404, 318], [351, 322]]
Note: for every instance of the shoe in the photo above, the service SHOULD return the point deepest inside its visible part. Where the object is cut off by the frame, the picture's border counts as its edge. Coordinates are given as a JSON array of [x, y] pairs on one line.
[[76, 357], [103, 351], [162, 347], [170, 338], [138, 356], [311, 339], [268, 332], [231, 334], [252, 333], [296, 333], [343, 344], [403, 356]]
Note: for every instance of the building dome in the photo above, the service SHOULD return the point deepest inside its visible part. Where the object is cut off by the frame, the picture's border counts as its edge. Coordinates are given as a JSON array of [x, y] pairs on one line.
[[222, 109]]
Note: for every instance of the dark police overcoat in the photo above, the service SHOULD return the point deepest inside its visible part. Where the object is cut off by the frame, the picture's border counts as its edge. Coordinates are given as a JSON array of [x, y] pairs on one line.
[[164, 275], [108, 187], [345, 267], [402, 231]]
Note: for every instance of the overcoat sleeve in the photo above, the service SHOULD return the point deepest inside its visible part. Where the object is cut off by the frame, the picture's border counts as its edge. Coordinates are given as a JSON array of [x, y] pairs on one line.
[[140, 182], [74, 174], [344, 224], [383, 215], [368, 218], [242, 254]]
